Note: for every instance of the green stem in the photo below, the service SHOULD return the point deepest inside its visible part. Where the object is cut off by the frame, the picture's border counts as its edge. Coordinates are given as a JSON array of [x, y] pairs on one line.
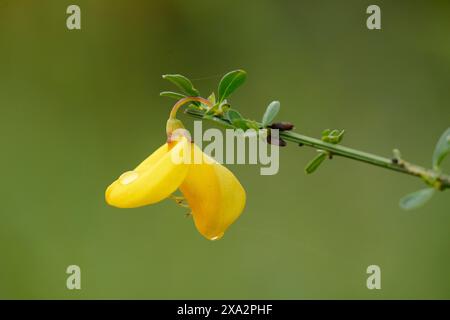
[[435, 179], [181, 102], [173, 123]]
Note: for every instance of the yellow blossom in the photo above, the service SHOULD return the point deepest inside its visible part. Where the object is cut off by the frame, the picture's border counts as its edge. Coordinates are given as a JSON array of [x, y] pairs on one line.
[[212, 192]]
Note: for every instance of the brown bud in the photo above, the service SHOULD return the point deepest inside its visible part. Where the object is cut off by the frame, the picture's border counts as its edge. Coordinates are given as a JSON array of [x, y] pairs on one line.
[[276, 141], [283, 126]]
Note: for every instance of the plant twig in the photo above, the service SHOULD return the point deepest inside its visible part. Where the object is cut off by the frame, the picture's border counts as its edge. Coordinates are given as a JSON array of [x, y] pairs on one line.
[[433, 178]]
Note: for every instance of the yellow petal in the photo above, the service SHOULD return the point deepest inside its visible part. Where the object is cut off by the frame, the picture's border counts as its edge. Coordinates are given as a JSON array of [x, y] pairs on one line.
[[153, 180], [215, 196]]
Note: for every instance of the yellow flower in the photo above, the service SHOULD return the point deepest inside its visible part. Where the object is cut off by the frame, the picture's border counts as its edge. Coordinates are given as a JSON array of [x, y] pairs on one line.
[[213, 193], [155, 179]]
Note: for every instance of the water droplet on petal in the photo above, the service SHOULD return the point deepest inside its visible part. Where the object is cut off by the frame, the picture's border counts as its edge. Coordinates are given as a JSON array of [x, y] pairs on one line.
[[128, 177], [216, 237]]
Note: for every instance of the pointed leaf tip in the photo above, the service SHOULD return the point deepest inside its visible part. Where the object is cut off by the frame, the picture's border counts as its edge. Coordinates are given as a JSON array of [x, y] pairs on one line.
[[442, 148], [173, 95], [230, 82], [271, 112], [183, 83]]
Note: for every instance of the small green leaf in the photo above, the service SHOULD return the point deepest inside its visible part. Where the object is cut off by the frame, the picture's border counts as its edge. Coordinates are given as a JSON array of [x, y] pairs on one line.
[[213, 110], [416, 199], [224, 107], [170, 94], [442, 149], [252, 124], [230, 82], [333, 136], [183, 83], [315, 163], [397, 154], [271, 112], [212, 98], [236, 119], [233, 115], [219, 121], [240, 124]]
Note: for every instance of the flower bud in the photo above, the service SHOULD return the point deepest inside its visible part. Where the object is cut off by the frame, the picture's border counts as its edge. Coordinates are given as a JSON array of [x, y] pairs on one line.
[[283, 126], [276, 141]]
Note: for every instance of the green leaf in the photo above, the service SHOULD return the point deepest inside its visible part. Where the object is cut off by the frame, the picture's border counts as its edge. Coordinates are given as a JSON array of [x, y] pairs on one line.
[[416, 199], [442, 149], [333, 136], [170, 94], [252, 125], [183, 83], [271, 112], [233, 115], [221, 122], [315, 163], [236, 119], [212, 98], [213, 110], [224, 107], [230, 82], [240, 124]]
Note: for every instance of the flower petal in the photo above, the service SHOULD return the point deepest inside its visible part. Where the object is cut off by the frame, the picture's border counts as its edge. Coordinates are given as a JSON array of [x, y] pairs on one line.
[[153, 180], [215, 196]]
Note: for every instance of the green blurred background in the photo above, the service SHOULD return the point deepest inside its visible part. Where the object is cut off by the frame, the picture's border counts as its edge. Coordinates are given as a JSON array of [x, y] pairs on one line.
[[78, 108]]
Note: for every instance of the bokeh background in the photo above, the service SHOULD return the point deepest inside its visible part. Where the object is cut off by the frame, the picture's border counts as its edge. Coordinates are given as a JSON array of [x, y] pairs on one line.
[[78, 108]]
